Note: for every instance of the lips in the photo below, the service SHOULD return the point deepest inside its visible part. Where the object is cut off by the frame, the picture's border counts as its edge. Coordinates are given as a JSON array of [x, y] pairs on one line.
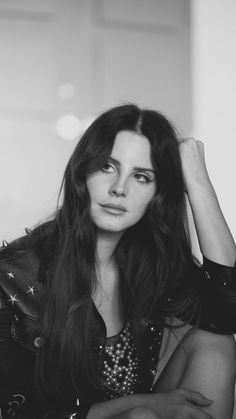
[[115, 207]]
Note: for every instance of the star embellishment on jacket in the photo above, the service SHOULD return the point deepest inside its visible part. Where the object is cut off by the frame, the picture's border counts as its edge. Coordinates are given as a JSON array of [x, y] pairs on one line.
[[13, 299], [10, 275], [31, 290]]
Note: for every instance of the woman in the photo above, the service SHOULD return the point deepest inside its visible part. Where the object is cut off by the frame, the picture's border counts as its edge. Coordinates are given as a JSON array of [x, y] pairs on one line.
[[93, 298]]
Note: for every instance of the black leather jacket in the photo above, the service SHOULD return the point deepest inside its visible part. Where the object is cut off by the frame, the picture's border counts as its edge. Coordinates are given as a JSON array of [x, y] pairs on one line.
[[20, 292]]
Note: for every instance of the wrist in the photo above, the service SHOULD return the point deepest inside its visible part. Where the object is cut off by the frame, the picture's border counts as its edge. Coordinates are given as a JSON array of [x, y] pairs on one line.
[[111, 407], [196, 187]]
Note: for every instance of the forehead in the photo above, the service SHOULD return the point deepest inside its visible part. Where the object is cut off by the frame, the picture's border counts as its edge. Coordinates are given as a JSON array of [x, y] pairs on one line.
[[133, 148]]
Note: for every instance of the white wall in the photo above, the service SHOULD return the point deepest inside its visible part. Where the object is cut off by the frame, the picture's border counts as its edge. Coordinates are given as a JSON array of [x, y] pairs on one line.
[[213, 30], [213, 46], [109, 51]]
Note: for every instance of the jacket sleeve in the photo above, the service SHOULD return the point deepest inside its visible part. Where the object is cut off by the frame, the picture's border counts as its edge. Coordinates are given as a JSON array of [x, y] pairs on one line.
[[218, 297], [14, 411], [15, 365], [11, 355]]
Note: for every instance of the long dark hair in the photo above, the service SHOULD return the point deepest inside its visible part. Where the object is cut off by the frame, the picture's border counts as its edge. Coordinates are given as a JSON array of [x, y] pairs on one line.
[[158, 287]]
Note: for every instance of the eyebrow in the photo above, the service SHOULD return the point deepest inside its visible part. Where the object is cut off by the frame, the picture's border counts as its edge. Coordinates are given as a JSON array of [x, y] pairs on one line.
[[138, 169]]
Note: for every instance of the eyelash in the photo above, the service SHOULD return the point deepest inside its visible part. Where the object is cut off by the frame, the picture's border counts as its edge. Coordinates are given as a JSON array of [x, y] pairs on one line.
[[147, 180], [107, 164]]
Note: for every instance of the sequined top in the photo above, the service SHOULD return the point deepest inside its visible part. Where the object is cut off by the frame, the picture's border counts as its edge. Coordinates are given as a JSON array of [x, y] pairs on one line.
[[127, 370]]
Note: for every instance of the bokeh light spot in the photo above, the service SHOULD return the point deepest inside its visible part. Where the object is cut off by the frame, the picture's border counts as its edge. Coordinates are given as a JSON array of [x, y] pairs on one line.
[[69, 127]]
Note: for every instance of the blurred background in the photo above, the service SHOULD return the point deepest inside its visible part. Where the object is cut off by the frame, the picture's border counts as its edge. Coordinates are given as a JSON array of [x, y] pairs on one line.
[[64, 61]]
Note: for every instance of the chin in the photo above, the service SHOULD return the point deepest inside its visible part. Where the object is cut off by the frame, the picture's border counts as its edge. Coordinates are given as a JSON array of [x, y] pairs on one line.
[[112, 224], [111, 229]]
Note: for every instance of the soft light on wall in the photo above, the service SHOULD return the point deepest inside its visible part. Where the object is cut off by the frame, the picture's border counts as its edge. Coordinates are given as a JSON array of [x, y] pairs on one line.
[[69, 127]]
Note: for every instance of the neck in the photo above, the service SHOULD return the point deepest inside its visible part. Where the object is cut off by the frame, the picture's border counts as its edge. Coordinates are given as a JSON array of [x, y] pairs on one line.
[[107, 271], [106, 245]]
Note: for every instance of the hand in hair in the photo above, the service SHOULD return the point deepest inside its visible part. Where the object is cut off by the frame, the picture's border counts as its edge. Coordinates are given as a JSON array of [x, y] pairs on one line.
[[215, 239], [193, 163]]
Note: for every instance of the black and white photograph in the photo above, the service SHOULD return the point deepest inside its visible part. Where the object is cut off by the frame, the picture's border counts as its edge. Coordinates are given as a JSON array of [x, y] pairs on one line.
[[117, 209]]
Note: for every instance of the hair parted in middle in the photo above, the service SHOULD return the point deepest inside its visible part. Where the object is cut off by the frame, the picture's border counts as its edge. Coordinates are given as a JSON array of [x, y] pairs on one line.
[[154, 255]]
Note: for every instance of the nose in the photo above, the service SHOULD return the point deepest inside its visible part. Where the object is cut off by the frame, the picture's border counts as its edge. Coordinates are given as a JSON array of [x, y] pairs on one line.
[[118, 188]]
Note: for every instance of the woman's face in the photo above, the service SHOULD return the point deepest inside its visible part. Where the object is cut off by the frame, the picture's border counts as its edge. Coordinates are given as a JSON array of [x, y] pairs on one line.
[[121, 191]]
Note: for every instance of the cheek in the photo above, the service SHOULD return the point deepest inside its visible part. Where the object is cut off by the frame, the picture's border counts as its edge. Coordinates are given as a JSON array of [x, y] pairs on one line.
[[94, 188], [141, 203]]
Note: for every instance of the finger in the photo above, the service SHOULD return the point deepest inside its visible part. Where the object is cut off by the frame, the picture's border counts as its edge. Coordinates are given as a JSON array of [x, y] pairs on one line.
[[199, 414], [185, 140], [191, 142], [195, 397]]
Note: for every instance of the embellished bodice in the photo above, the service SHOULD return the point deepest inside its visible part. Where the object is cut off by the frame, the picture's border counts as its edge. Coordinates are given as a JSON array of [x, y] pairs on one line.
[[127, 369]]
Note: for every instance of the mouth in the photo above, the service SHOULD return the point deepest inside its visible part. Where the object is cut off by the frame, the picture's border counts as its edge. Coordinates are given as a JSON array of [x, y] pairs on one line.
[[114, 209]]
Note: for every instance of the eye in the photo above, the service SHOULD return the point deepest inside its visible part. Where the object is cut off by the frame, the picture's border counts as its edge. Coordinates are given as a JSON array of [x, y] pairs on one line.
[[107, 168], [142, 178]]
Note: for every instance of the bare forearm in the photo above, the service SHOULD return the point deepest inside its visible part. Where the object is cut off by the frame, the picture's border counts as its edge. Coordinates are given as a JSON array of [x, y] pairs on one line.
[[215, 239], [109, 408], [164, 405]]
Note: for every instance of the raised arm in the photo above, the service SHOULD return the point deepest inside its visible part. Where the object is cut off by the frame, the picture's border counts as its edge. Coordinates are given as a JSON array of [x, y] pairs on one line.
[[217, 281], [215, 239]]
